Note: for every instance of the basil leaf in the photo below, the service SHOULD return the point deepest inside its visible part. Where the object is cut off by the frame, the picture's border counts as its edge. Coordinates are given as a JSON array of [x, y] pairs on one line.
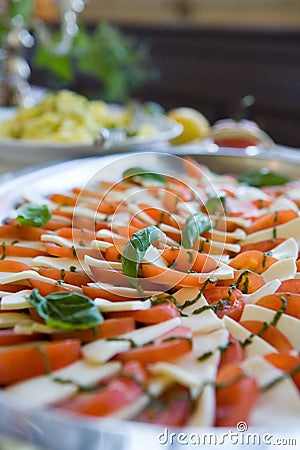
[[66, 310], [195, 225], [140, 174], [33, 215], [263, 177], [214, 203], [135, 250]]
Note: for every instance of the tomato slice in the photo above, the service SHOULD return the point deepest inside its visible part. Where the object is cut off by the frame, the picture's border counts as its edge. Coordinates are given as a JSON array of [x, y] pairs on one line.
[[273, 301], [175, 343], [108, 328], [233, 352], [236, 395], [228, 302], [22, 362], [9, 337], [287, 363], [155, 314], [269, 333], [245, 280], [117, 394], [171, 409], [253, 260]]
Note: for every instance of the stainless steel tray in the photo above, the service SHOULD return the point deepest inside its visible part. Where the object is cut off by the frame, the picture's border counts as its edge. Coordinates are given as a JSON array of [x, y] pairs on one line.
[[52, 431]]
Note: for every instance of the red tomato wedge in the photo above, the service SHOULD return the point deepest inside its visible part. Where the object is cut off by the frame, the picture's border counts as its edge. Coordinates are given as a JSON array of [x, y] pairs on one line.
[[155, 314], [169, 346], [253, 260], [232, 404], [22, 362], [118, 393], [9, 337], [287, 363], [245, 280], [269, 333], [270, 220], [228, 302], [275, 302], [108, 328], [233, 352], [172, 409]]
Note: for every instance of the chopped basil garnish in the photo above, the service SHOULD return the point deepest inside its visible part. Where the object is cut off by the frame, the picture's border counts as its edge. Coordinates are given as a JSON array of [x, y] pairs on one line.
[[140, 174], [263, 177], [135, 250], [66, 310], [33, 215], [195, 225], [214, 203]]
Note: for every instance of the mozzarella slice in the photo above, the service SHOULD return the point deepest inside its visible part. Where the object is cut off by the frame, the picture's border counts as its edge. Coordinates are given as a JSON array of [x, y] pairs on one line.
[[279, 405], [285, 230], [288, 325], [205, 409], [287, 249], [67, 264], [7, 277], [204, 322], [257, 345], [281, 270], [190, 372], [16, 300], [124, 291], [10, 319], [267, 289], [135, 305]]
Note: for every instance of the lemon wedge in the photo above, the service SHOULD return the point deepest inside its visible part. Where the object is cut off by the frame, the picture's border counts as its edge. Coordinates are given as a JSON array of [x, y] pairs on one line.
[[195, 124]]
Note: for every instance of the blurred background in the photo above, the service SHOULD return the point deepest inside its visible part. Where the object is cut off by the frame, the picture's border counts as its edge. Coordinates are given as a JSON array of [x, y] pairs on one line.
[[205, 54]]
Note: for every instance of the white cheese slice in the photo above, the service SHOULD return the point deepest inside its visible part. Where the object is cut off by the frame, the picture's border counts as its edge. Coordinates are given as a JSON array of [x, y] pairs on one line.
[[288, 325], [124, 291], [7, 277], [153, 256], [250, 193], [278, 406], [10, 319], [267, 289], [59, 240], [135, 305], [190, 372], [239, 221], [282, 203], [237, 234], [285, 230], [202, 323], [59, 263], [169, 229], [44, 390], [37, 245], [84, 212], [281, 270], [102, 350], [205, 410], [257, 346], [217, 246], [16, 300], [101, 245], [186, 294], [102, 263], [287, 249]]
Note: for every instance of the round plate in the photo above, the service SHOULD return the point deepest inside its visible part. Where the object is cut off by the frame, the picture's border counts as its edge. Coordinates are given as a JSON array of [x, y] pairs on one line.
[[18, 153]]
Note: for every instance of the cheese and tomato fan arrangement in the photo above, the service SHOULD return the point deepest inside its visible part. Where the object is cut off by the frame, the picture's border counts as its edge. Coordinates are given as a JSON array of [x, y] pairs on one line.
[[156, 299]]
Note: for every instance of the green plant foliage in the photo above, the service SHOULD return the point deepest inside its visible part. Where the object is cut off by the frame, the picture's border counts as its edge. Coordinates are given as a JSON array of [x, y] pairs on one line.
[[107, 54]]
